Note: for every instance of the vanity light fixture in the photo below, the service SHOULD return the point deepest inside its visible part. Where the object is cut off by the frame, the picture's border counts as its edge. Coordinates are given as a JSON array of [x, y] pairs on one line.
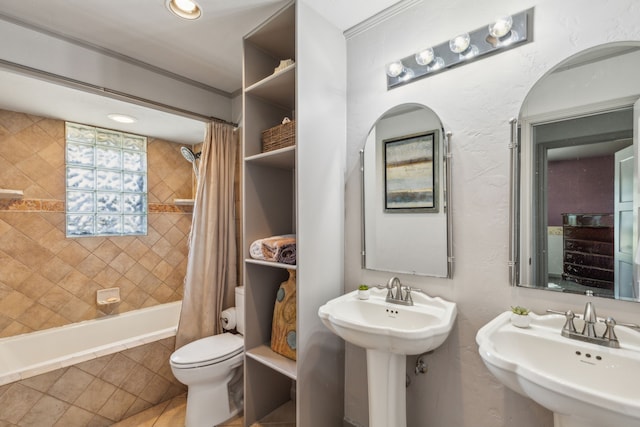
[[186, 9], [505, 32], [122, 118]]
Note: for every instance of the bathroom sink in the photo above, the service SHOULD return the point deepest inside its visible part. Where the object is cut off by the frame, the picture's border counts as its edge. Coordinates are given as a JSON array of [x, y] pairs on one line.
[[389, 331], [378, 325], [584, 384]]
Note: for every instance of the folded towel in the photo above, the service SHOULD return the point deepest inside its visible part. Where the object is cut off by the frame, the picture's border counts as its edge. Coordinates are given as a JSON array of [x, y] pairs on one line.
[[275, 248], [280, 249], [255, 250]]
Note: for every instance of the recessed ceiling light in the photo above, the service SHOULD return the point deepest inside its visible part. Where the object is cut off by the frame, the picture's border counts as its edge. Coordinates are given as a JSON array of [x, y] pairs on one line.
[[122, 118], [187, 9]]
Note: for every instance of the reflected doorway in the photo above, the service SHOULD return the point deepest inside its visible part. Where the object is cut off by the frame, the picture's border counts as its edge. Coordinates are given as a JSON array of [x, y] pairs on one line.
[[583, 199]]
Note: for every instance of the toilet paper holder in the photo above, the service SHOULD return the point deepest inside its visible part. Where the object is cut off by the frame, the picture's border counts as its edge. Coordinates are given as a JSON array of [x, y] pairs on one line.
[[228, 318]]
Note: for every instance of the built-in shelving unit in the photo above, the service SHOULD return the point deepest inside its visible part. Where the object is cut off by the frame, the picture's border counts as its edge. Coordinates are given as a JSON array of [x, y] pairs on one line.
[[269, 186], [274, 185]]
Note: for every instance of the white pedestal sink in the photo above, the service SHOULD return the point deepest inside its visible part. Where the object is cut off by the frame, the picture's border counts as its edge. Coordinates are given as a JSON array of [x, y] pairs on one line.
[[389, 332], [584, 384]]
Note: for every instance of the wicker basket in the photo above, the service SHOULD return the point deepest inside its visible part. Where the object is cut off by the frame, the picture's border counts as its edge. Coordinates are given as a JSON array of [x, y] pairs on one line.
[[280, 136]]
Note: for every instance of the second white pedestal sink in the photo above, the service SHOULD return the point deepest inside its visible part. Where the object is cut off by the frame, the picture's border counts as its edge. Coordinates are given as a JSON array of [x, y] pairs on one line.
[[584, 384], [389, 332]]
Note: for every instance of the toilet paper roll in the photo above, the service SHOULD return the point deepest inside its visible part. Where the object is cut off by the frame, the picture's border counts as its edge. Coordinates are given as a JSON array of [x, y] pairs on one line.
[[228, 318]]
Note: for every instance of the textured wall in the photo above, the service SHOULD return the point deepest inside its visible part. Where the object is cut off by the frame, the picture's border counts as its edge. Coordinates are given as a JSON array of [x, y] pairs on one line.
[[47, 280], [475, 102], [95, 393]]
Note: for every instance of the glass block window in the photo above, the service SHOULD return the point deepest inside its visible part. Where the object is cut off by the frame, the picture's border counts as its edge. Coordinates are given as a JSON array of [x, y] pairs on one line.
[[106, 179]]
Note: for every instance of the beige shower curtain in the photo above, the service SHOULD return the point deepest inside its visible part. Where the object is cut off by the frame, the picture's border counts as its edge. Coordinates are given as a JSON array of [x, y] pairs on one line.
[[211, 266]]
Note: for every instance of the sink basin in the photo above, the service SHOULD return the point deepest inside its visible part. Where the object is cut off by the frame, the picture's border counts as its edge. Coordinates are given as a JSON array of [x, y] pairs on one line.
[[584, 384], [389, 332], [378, 325]]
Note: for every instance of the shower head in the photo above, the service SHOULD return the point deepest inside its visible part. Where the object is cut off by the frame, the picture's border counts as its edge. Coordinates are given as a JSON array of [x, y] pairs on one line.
[[188, 154], [191, 157]]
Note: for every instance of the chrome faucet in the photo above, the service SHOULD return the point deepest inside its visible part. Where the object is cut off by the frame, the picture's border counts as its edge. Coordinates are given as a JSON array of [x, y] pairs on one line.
[[588, 332], [398, 297], [590, 319]]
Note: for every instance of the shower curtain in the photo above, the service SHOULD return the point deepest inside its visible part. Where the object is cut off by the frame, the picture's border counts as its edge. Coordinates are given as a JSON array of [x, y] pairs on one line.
[[211, 267]]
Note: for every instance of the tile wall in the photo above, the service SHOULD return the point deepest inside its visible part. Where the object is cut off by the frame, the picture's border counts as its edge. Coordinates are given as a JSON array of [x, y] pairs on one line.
[[95, 393], [47, 280]]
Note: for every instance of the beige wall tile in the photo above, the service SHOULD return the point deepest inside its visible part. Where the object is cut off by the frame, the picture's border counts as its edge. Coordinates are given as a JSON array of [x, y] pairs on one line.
[[95, 366], [14, 304], [70, 385], [32, 159], [45, 413], [118, 369], [35, 286], [117, 405], [155, 390], [137, 380], [97, 393], [74, 417], [17, 401]]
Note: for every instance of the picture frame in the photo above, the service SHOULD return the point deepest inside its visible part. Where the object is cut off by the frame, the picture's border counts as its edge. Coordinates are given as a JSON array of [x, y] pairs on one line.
[[411, 183]]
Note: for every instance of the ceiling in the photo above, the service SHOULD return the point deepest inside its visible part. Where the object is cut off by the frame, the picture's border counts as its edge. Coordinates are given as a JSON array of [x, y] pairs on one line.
[[207, 51]]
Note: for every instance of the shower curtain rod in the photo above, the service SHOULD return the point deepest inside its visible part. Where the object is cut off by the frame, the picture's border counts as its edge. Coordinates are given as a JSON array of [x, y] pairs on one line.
[[99, 90]]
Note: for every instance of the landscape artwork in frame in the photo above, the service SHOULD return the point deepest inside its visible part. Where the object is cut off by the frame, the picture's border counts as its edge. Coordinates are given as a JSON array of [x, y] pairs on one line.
[[411, 178]]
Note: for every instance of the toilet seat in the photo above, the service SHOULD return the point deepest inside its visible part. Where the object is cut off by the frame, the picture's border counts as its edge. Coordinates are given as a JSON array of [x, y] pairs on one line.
[[207, 351]]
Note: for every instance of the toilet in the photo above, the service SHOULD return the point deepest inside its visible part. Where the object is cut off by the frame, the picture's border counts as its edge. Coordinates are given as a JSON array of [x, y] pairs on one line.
[[211, 368]]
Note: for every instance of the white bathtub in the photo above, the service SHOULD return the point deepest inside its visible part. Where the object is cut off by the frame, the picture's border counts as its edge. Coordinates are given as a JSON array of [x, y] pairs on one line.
[[27, 355]]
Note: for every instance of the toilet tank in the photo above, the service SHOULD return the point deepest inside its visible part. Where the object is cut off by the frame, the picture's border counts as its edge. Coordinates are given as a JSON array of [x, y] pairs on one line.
[[240, 309]]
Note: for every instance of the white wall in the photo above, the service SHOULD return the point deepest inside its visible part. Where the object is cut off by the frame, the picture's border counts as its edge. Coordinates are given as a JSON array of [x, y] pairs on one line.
[[475, 102]]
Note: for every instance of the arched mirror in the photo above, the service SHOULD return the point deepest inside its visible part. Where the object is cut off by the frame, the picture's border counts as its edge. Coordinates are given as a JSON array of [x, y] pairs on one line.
[[577, 215], [405, 209]]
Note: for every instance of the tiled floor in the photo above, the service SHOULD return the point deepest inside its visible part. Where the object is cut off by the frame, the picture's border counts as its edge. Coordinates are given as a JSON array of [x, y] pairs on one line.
[[167, 414], [172, 412]]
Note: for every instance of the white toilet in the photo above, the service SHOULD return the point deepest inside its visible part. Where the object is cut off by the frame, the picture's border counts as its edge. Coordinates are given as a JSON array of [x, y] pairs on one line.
[[211, 368]]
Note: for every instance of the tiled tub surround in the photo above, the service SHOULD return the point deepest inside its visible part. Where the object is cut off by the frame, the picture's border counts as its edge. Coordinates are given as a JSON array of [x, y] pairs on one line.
[[47, 280], [123, 369]]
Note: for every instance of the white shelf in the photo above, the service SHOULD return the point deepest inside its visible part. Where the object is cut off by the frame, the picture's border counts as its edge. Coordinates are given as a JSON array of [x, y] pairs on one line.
[[273, 360], [284, 414], [184, 202], [270, 263], [282, 158], [11, 194], [278, 88]]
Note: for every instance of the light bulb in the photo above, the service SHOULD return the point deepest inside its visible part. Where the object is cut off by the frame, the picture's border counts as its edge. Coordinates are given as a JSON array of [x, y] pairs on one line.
[[187, 9], [185, 5], [425, 57], [501, 26], [122, 118], [460, 43], [394, 69]]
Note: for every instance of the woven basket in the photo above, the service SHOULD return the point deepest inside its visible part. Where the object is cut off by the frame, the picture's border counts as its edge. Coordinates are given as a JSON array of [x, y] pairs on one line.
[[280, 136]]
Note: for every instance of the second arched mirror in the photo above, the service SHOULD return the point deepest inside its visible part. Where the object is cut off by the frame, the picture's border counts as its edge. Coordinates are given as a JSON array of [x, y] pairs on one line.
[[579, 177], [405, 192]]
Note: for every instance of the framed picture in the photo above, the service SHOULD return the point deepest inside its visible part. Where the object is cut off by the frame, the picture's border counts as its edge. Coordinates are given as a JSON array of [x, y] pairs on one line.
[[411, 173]]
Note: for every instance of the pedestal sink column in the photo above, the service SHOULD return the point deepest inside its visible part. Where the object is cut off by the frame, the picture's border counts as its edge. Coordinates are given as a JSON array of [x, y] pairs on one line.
[[386, 374]]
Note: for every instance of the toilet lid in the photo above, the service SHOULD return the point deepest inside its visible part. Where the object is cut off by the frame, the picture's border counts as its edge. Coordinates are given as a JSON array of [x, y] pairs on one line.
[[207, 351]]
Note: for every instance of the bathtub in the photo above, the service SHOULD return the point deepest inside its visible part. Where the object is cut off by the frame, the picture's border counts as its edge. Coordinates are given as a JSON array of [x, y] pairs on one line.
[[35, 353]]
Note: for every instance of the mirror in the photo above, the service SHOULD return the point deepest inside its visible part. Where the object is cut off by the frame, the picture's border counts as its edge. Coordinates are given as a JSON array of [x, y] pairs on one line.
[[405, 194], [577, 215]]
